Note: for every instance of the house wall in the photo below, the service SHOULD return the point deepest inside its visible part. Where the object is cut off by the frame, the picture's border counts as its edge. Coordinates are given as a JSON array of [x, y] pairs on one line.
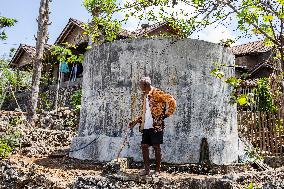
[[262, 72], [164, 30], [182, 68], [25, 59], [251, 60], [76, 36]]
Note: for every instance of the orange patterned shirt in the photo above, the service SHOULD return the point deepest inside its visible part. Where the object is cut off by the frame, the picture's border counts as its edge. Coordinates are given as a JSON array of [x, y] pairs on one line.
[[158, 101]]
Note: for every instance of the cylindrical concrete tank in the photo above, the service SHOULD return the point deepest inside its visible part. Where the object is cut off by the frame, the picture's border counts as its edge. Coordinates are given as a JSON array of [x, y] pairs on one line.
[[182, 68]]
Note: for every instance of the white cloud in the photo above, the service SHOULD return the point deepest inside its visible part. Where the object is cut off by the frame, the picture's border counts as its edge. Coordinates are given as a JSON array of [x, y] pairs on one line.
[[214, 34], [134, 23]]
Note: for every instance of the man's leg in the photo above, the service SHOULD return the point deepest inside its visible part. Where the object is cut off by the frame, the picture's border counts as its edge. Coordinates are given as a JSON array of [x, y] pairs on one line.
[[146, 159], [158, 156]]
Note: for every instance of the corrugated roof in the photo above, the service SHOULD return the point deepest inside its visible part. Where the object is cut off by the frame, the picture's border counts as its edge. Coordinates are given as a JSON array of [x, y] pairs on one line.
[[250, 48]]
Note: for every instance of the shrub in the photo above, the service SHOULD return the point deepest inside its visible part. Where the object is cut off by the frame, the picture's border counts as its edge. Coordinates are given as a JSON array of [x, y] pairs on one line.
[[76, 99], [8, 142]]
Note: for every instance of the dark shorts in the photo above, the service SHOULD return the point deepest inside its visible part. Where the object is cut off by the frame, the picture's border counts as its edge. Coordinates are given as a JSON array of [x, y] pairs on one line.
[[150, 137]]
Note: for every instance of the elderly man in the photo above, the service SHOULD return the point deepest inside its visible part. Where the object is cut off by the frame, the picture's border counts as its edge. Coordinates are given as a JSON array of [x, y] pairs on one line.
[[154, 111]]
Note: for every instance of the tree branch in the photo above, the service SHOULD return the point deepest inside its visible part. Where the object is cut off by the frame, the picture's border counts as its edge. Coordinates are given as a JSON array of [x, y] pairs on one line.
[[228, 3]]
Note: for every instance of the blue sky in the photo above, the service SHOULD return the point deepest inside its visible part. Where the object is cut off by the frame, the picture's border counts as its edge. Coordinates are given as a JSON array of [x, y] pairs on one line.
[[26, 12]]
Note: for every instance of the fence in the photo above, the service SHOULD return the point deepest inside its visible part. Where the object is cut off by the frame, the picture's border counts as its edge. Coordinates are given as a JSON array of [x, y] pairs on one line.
[[264, 130]]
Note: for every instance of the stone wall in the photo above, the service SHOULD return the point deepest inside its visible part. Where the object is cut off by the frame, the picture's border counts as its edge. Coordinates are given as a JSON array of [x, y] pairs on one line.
[[47, 97], [181, 68]]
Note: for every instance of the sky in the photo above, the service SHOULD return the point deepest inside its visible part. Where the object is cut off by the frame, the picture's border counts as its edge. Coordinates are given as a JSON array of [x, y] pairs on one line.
[[26, 12]]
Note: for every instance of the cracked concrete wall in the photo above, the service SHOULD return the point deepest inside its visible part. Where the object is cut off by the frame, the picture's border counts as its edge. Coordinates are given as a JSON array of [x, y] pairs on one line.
[[111, 99]]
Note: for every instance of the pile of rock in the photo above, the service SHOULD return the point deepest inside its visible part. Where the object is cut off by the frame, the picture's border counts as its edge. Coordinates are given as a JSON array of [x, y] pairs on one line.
[[11, 118], [266, 179], [133, 181], [40, 142], [13, 176], [53, 131], [62, 119], [274, 161]]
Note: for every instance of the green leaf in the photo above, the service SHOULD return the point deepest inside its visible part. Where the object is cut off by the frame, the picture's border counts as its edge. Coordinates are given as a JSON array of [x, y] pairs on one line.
[[232, 81], [281, 2], [256, 31], [242, 99], [268, 42], [250, 186], [267, 18]]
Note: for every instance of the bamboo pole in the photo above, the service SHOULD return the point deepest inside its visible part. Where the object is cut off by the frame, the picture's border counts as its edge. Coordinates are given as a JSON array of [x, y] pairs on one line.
[[280, 132], [250, 131], [255, 129], [263, 132], [274, 134], [269, 136]]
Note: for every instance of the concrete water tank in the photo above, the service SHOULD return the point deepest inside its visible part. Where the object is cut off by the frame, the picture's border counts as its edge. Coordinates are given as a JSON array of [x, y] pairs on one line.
[[182, 68]]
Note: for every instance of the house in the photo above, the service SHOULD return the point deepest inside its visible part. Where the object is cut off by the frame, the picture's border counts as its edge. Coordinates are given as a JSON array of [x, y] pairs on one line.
[[24, 56], [254, 59], [73, 33]]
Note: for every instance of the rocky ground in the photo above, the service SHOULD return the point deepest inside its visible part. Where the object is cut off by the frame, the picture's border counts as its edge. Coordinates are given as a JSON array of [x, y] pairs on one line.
[[42, 162]]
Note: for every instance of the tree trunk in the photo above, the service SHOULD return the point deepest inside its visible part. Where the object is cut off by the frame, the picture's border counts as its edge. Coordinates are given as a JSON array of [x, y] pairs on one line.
[[42, 37]]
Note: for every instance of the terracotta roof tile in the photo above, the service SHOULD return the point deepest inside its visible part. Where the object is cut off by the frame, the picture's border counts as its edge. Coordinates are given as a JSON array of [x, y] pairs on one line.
[[250, 48], [143, 31], [24, 48], [68, 27], [77, 22], [31, 50]]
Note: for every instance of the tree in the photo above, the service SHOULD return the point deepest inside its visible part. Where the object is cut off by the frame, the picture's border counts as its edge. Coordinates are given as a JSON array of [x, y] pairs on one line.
[[262, 18], [5, 22], [103, 27], [41, 40], [10, 81]]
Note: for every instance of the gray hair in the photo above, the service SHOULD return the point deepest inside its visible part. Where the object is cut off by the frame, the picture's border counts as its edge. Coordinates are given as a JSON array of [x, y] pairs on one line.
[[145, 80]]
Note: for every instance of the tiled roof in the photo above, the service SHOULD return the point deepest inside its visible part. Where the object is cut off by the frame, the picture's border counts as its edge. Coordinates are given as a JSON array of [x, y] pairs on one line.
[[125, 33], [150, 28], [122, 34], [30, 50], [68, 27], [250, 48], [77, 22]]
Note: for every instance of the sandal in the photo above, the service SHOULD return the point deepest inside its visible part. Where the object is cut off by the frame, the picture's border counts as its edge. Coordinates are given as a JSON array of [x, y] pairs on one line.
[[144, 172], [156, 174]]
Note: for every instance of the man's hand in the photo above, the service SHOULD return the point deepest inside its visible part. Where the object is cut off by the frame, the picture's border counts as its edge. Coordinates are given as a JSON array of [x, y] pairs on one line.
[[165, 116], [131, 124]]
